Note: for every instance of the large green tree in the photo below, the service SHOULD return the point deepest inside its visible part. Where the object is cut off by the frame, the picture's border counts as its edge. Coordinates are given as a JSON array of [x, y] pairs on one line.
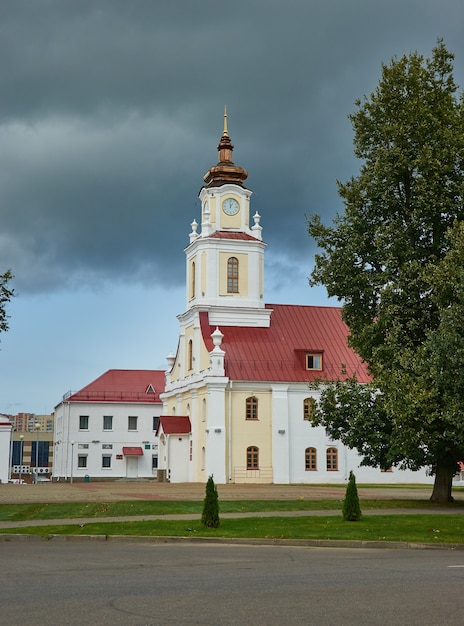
[[394, 259], [6, 293]]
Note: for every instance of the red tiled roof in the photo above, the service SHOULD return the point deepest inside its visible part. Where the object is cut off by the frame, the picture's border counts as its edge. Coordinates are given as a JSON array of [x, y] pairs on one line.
[[123, 386], [132, 451], [174, 425], [231, 234], [278, 353]]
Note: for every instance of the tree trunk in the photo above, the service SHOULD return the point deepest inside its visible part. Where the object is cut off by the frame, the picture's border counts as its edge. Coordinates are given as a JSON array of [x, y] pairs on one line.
[[442, 486]]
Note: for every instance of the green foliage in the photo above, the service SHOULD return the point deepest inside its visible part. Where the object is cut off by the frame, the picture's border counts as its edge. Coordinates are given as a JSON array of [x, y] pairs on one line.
[[5, 296], [210, 515], [395, 259], [351, 506]]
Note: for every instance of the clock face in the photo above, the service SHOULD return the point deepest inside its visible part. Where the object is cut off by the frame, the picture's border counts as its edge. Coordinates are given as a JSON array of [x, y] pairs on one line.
[[230, 206]]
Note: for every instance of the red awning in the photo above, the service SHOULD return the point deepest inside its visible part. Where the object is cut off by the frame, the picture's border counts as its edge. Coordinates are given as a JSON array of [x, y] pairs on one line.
[[132, 451]]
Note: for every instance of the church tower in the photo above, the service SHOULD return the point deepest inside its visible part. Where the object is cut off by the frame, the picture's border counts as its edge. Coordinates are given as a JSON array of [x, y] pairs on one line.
[[225, 260]]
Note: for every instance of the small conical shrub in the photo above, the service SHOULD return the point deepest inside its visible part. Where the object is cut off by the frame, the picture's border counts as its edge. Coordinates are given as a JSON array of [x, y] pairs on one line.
[[210, 515], [351, 507]]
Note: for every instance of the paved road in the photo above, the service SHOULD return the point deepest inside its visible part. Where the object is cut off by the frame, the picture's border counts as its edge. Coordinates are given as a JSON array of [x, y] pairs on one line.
[[148, 584]]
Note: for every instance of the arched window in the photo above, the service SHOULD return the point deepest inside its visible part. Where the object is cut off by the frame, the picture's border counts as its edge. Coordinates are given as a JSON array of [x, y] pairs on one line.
[[251, 410], [332, 459], [203, 410], [310, 459], [193, 279], [232, 275], [309, 406], [252, 458], [190, 354]]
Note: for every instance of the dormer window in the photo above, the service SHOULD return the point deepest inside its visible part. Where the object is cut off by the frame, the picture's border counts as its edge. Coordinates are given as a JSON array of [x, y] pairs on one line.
[[314, 361]]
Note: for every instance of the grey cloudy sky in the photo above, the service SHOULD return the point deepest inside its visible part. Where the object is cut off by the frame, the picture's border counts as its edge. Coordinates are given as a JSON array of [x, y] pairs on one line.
[[110, 113]]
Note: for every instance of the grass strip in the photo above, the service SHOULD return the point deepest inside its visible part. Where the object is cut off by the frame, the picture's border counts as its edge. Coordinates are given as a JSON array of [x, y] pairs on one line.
[[406, 528], [61, 510]]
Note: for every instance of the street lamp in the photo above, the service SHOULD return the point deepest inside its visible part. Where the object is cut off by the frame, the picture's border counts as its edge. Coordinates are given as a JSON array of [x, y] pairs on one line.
[[21, 441], [37, 428], [72, 459]]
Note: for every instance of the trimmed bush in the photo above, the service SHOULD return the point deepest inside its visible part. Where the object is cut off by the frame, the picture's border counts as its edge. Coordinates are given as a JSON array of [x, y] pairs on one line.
[[351, 507], [210, 515]]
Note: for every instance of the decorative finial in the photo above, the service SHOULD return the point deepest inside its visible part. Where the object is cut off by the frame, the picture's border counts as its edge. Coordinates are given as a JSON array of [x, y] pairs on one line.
[[225, 132]]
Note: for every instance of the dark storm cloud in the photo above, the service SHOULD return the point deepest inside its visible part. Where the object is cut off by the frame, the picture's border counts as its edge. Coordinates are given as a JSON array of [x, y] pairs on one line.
[[111, 112]]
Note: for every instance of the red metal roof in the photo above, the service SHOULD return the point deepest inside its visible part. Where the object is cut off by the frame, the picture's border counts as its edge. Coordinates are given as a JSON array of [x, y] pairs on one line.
[[231, 234], [123, 386], [278, 353], [132, 451], [174, 425]]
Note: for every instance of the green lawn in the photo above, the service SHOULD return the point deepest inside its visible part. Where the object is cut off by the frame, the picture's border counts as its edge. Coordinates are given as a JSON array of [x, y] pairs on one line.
[[57, 510], [428, 528]]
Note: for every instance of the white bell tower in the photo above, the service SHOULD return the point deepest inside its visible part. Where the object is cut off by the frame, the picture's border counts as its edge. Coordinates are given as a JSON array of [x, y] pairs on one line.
[[225, 260]]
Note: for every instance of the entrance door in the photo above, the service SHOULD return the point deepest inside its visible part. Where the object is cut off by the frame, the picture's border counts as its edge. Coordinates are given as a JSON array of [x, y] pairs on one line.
[[132, 466]]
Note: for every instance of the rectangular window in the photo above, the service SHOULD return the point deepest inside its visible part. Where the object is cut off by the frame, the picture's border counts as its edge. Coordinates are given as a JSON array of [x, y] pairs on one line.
[[132, 422], [314, 361], [107, 422], [40, 453], [83, 422], [82, 460], [154, 462], [155, 423], [106, 461], [18, 452]]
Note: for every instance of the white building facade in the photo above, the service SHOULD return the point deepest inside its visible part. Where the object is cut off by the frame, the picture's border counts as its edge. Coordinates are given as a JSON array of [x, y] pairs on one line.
[[107, 430]]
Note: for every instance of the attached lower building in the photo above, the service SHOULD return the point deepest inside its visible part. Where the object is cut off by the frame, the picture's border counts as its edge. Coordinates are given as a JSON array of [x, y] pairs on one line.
[[107, 430]]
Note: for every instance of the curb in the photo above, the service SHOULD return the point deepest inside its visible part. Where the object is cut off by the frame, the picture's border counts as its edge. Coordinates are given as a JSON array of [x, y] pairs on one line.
[[303, 543]]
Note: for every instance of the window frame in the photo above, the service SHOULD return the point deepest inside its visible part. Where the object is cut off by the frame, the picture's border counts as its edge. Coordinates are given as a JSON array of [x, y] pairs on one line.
[[331, 459], [311, 459], [251, 409], [310, 361], [309, 406], [105, 418], [252, 458], [81, 418], [84, 459], [106, 457], [232, 275], [130, 419]]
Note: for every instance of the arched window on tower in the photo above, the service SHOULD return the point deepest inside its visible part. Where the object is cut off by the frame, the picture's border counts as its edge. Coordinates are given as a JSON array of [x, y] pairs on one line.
[[190, 354], [232, 275], [192, 280]]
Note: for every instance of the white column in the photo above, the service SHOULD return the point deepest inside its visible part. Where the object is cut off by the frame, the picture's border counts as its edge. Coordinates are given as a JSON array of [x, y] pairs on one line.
[[216, 461], [280, 434]]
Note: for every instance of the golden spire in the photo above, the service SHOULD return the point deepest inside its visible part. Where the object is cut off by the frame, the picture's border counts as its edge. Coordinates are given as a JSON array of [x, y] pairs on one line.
[[225, 131], [225, 171]]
